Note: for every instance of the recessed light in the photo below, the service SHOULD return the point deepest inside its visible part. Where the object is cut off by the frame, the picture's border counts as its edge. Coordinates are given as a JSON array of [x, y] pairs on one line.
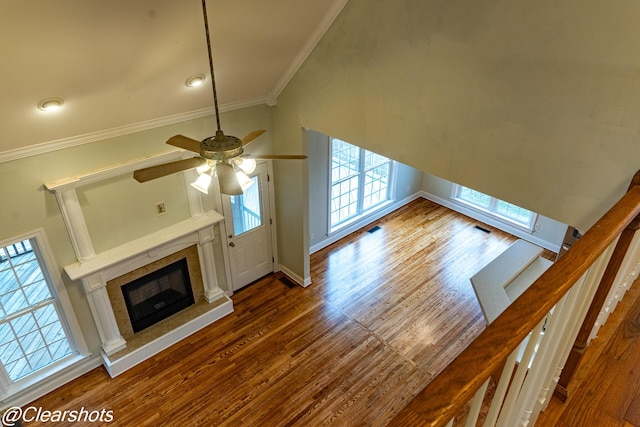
[[51, 104], [195, 81]]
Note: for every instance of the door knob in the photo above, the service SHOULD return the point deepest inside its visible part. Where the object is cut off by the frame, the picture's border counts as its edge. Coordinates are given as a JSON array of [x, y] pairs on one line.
[[230, 236], [232, 244]]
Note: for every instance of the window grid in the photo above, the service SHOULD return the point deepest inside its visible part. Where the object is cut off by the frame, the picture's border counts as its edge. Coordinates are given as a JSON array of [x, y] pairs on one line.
[[345, 160], [376, 184], [494, 206], [344, 200], [359, 181], [31, 333]]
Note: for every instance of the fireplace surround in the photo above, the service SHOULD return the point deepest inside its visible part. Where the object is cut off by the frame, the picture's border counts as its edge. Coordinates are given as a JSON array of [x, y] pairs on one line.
[[121, 347], [103, 276], [157, 295], [118, 301]]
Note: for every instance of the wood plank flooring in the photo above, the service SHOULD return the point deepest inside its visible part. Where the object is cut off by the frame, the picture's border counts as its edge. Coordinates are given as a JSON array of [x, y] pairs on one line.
[[386, 311]]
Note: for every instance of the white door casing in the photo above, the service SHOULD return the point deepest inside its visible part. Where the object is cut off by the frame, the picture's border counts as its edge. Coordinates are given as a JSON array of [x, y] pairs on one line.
[[248, 231]]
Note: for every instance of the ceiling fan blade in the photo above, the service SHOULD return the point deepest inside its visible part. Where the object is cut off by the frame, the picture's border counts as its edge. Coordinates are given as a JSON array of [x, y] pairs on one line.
[[227, 179], [153, 172], [185, 143], [251, 136], [273, 156]]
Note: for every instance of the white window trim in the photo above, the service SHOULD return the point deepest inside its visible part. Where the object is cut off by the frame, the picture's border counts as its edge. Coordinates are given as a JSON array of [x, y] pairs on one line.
[[364, 214], [67, 318], [530, 227]]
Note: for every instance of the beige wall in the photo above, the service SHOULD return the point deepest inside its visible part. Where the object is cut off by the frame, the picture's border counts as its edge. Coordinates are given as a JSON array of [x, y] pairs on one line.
[[534, 103], [116, 210]]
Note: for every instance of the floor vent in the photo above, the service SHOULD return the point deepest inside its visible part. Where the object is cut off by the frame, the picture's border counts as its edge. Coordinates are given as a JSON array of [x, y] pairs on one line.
[[287, 282], [376, 228], [483, 229]]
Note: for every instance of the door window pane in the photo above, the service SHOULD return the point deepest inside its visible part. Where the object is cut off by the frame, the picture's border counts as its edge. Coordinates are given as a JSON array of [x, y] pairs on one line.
[[246, 209]]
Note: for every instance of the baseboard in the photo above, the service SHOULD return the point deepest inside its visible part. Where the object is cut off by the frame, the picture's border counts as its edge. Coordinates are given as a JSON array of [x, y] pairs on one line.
[[460, 208], [296, 278], [363, 222]]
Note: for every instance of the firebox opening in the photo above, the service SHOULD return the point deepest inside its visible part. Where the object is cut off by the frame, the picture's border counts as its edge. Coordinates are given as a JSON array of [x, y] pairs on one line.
[[158, 295]]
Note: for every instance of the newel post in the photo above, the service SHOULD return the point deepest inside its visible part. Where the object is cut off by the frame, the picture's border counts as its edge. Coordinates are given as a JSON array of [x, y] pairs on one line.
[[582, 340]]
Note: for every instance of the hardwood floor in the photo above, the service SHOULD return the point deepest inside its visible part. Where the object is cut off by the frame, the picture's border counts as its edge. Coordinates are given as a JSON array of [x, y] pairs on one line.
[[386, 311]]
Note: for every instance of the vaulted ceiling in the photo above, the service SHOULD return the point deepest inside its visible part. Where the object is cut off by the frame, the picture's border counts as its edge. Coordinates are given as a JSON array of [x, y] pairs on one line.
[[121, 65]]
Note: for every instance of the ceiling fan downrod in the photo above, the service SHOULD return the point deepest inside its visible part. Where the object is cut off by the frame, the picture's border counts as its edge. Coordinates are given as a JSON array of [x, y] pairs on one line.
[[213, 79], [220, 147]]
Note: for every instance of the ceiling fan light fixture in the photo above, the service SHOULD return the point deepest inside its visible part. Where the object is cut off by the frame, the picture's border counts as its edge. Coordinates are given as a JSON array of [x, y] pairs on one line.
[[202, 183], [244, 180], [195, 81], [247, 166], [217, 154], [50, 104], [204, 168]]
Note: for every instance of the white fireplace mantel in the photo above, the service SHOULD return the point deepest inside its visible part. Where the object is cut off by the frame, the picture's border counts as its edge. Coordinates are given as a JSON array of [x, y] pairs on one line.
[[94, 270], [146, 244], [97, 272]]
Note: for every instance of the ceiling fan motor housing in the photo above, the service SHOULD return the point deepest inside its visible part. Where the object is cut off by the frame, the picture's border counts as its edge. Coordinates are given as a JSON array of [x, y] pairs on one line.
[[221, 147]]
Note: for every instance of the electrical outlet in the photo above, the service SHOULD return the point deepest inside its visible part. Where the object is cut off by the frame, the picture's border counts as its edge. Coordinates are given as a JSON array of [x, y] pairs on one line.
[[160, 208]]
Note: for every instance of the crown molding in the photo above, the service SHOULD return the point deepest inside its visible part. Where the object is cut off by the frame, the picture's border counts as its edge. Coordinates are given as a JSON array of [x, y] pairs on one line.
[[294, 66], [61, 144]]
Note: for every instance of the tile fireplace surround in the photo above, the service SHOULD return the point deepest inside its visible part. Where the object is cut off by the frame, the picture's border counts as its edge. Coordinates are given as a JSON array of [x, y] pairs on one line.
[[100, 273]]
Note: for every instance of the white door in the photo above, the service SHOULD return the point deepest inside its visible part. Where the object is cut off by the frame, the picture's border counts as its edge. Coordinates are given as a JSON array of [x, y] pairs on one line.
[[248, 224]]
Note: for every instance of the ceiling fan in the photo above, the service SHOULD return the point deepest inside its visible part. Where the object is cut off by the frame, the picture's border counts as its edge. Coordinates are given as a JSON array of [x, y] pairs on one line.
[[220, 154]]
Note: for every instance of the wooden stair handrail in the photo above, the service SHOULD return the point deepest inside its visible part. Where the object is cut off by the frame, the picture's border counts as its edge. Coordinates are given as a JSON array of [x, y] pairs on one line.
[[444, 397], [597, 303]]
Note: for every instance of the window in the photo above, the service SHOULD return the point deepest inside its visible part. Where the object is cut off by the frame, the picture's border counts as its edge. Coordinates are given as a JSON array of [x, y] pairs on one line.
[[359, 182], [34, 336], [246, 209], [495, 207]]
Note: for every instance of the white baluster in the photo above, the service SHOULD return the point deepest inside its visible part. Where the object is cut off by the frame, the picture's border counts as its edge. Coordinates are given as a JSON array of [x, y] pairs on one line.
[[501, 389], [572, 318], [507, 415], [476, 405]]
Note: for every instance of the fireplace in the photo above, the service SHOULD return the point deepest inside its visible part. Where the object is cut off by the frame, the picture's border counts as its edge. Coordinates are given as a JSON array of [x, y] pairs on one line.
[[103, 273], [152, 282], [153, 278], [158, 295]]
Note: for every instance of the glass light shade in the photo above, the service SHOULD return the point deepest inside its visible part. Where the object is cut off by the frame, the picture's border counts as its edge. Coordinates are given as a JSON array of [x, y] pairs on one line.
[[247, 165], [204, 168], [202, 183], [244, 180]]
